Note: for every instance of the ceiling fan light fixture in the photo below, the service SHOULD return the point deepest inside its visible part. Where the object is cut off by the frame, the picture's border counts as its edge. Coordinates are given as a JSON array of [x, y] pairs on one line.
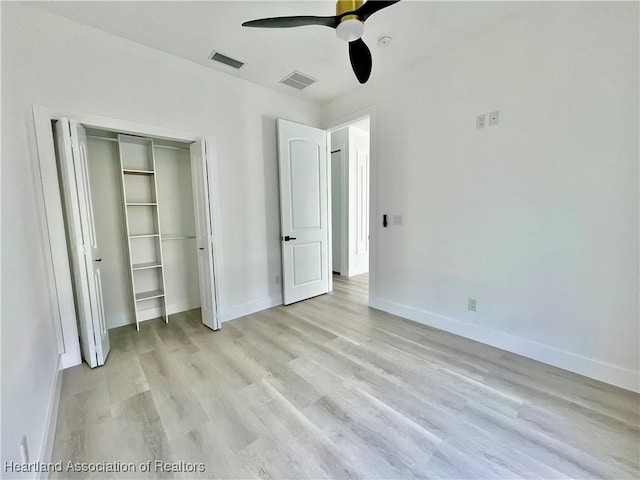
[[348, 23], [350, 29]]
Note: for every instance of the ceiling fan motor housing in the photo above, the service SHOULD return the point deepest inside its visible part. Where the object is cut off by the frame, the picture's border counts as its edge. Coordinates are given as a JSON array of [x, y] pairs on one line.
[[351, 27]]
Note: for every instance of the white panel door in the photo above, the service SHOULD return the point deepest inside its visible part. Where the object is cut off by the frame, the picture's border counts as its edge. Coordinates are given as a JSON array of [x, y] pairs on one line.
[[302, 161], [200, 171], [85, 255]]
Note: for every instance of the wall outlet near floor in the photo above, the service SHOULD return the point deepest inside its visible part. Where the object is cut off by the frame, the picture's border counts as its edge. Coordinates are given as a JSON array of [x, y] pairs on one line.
[[481, 121], [24, 449], [473, 305]]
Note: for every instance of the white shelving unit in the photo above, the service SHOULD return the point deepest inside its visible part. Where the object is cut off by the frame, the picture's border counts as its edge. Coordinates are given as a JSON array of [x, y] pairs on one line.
[[142, 219]]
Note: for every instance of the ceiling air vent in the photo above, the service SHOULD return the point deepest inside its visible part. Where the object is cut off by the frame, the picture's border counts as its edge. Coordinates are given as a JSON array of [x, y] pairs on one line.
[[298, 80], [232, 62]]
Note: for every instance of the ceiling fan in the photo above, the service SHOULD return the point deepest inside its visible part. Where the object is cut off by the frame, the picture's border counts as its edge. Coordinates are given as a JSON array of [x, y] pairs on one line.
[[348, 23]]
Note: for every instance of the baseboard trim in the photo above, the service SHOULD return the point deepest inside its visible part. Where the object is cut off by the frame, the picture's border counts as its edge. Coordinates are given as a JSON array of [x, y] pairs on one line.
[[226, 314], [51, 421], [229, 313], [605, 372], [122, 319]]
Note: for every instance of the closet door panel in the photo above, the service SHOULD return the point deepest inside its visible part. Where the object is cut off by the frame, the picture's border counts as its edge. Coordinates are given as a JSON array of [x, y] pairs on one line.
[[84, 243], [202, 181]]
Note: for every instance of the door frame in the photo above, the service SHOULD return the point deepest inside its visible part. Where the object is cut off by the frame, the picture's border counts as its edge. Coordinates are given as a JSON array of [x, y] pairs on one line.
[[53, 226], [344, 121]]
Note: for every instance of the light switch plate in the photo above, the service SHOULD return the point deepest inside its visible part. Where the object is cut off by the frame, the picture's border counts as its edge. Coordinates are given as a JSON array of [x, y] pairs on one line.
[[481, 121], [473, 305], [397, 219], [494, 118]]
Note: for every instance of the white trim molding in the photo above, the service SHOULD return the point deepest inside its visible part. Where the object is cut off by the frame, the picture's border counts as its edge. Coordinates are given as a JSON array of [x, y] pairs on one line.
[[51, 421], [589, 367], [129, 318]]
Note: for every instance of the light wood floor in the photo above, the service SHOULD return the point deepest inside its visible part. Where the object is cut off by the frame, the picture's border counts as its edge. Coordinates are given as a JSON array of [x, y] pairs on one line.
[[331, 388]]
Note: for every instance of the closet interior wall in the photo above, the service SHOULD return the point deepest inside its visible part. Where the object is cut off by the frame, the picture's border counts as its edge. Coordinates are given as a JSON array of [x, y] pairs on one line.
[[175, 243]]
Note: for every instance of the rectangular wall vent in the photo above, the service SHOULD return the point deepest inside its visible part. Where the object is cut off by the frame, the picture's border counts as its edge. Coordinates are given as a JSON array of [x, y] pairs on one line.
[[232, 62], [298, 80]]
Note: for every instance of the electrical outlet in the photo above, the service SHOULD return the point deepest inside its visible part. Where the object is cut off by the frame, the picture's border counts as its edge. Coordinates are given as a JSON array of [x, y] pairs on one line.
[[480, 121], [24, 449], [397, 219], [494, 118], [473, 305]]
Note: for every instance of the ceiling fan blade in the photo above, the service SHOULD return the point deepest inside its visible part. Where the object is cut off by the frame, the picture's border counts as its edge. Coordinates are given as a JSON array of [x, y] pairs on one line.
[[361, 60], [372, 6], [289, 22]]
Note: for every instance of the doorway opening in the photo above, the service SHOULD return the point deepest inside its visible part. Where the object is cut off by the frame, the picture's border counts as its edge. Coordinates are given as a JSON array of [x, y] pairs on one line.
[[350, 149]]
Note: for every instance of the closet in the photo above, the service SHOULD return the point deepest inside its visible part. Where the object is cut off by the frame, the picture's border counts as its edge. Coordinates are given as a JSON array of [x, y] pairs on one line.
[[144, 219], [138, 229]]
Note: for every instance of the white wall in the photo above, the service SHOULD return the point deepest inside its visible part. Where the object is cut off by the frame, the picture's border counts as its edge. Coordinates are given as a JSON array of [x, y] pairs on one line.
[[52, 61], [536, 218]]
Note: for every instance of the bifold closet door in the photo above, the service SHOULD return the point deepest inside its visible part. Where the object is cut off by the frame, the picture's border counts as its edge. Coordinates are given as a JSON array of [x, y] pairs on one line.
[[201, 171], [83, 242]]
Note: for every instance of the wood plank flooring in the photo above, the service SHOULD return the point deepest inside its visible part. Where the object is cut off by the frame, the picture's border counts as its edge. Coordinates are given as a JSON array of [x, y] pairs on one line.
[[329, 388]]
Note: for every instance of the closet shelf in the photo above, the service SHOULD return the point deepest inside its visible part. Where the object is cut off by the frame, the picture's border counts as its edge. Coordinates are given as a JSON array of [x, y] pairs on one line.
[[144, 266], [147, 235], [177, 237], [129, 171], [148, 295], [146, 263]]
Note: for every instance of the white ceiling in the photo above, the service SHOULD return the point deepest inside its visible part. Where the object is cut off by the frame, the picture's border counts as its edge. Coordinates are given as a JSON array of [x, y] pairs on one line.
[[192, 30]]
